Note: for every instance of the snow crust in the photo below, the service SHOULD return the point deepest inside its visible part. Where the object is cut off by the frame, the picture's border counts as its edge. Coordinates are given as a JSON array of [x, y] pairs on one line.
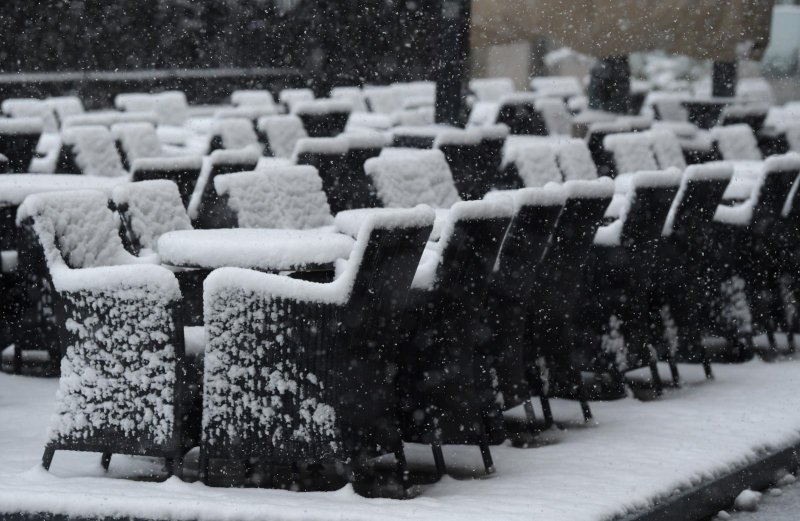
[[95, 151], [289, 197], [595, 189], [153, 208], [406, 178], [283, 133]]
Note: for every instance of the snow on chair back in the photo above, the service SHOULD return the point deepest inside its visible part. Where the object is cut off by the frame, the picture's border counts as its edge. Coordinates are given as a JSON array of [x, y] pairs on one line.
[[667, 106], [135, 141], [171, 107], [736, 143], [667, 149], [282, 197], [31, 108], [316, 373], [409, 177], [575, 160], [91, 150], [148, 210], [205, 209], [18, 140], [354, 189], [518, 111], [257, 98], [290, 97], [181, 170], [557, 86], [382, 99], [323, 117], [442, 375], [701, 190], [649, 203], [556, 116], [119, 330], [535, 164], [232, 134], [491, 89], [632, 152], [352, 95], [280, 134], [65, 106]]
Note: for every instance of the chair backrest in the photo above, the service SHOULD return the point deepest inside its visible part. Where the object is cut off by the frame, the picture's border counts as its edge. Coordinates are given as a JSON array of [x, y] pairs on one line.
[[528, 237], [667, 106], [556, 116], [701, 190], [328, 155], [92, 150], [76, 228], [462, 150], [595, 139], [667, 149], [64, 106], [254, 97], [773, 195], [575, 160], [536, 164], [280, 134], [323, 117], [172, 107], [736, 143], [751, 114], [491, 89], [352, 95], [183, 171], [18, 140], [136, 140], [518, 112], [649, 204], [290, 97], [148, 210], [280, 197], [233, 134], [135, 102], [411, 177], [205, 209], [490, 156], [632, 152], [557, 86], [354, 188]]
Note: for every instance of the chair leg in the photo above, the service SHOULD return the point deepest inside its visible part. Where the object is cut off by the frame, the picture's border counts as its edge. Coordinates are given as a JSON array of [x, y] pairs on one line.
[[673, 369], [402, 468], [438, 459], [530, 414], [486, 454], [47, 457], [547, 411], [105, 460], [582, 397], [169, 466], [177, 467], [17, 369], [707, 365], [658, 385], [202, 468]]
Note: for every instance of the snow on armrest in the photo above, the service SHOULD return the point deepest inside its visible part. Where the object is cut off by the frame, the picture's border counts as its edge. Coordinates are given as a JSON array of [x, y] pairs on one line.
[[128, 277], [319, 145], [609, 235], [596, 189]]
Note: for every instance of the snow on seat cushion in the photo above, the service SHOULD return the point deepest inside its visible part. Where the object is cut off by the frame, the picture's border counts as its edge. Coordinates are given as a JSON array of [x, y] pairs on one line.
[[95, 151], [282, 133], [406, 178], [138, 140], [536, 164], [279, 197], [151, 208], [736, 143], [632, 152]]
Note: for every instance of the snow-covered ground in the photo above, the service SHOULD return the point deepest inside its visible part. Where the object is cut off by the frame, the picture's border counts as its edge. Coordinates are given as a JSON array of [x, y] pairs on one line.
[[634, 454]]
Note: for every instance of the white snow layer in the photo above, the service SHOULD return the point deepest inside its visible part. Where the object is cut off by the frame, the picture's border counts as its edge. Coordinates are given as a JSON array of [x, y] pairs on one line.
[[235, 133], [283, 133], [536, 164], [736, 142], [137, 139], [406, 178], [619, 478], [289, 197], [95, 151], [258, 98], [632, 152], [153, 209], [14, 188]]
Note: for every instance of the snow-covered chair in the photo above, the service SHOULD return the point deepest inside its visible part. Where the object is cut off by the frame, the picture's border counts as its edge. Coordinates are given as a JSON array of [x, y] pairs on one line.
[[518, 111], [89, 150], [559, 292], [315, 374], [556, 117], [290, 97], [667, 149], [736, 143], [535, 164], [755, 239], [353, 188], [353, 95], [121, 339], [750, 114], [206, 209], [253, 98], [232, 134], [382, 99], [31, 108], [667, 106], [18, 140], [694, 272], [508, 300], [329, 156], [136, 140], [632, 152], [280, 134], [323, 117], [595, 140], [705, 113], [64, 106], [488, 171], [575, 160], [491, 89], [289, 197], [181, 170], [444, 382], [404, 178]]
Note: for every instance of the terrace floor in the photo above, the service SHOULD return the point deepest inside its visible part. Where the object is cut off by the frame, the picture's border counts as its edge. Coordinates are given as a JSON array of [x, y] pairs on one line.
[[634, 454]]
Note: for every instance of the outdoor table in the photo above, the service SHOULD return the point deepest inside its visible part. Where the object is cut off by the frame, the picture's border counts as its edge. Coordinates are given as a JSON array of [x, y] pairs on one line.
[[258, 249]]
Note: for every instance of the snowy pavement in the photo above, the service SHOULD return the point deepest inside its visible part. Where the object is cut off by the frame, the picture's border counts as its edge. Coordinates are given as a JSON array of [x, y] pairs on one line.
[[634, 454]]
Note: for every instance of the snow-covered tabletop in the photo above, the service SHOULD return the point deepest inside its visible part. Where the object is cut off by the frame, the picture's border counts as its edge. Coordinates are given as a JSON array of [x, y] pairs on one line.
[[260, 249], [14, 188]]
